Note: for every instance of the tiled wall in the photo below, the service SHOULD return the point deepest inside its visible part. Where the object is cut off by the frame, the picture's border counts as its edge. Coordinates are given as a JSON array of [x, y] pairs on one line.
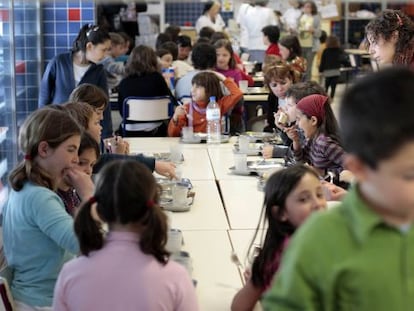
[[186, 14], [61, 22]]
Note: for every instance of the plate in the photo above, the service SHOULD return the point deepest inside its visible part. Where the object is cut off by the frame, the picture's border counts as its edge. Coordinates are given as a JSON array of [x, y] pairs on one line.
[[169, 206], [258, 136], [258, 167], [202, 138], [247, 172], [254, 149]]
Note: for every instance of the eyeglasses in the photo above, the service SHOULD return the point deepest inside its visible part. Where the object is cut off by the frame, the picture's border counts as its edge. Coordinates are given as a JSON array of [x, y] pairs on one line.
[[92, 29]]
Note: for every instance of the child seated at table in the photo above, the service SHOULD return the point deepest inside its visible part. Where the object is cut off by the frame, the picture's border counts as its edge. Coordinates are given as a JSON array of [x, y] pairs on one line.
[[204, 85], [323, 149], [291, 195], [129, 263]]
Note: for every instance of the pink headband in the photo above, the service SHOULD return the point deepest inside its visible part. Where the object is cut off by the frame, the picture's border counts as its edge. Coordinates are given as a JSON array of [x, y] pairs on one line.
[[313, 105]]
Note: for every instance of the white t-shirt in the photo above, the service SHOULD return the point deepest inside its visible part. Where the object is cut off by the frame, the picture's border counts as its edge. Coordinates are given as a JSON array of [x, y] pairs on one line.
[[244, 35], [79, 72], [205, 21], [291, 18]]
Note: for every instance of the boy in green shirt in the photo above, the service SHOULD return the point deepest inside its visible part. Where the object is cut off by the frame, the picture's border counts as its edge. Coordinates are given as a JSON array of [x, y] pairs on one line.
[[360, 255]]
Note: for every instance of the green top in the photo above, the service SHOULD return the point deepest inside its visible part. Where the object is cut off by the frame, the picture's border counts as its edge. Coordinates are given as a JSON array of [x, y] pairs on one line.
[[346, 258]]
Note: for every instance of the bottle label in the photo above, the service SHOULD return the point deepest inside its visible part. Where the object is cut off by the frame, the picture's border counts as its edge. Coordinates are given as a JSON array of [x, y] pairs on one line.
[[213, 114]]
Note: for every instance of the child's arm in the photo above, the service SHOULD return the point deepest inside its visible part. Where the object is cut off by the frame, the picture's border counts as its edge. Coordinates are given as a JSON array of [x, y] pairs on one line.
[[178, 121], [246, 298], [229, 101]]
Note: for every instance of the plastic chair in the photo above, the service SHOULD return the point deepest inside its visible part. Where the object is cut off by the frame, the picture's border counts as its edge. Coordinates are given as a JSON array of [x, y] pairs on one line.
[[145, 110]]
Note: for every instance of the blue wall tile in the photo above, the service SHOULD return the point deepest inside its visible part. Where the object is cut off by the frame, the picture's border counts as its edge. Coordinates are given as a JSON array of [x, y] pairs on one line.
[[61, 14], [87, 14]]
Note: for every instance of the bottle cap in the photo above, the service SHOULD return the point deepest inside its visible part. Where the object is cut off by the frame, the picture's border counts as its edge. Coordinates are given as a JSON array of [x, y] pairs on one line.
[[212, 98]]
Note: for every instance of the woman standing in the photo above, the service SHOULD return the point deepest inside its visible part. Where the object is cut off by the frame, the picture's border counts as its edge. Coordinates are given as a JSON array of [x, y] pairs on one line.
[[210, 17], [80, 65], [391, 39], [309, 33]]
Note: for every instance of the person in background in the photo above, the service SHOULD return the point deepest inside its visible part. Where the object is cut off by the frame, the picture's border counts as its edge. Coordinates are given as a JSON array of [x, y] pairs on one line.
[[278, 78], [129, 44], [37, 231], [165, 57], [142, 70], [271, 35], [173, 31], [203, 57], [372, 228], [291, 53], [309, 32], [184, 48], [66, 71], [290, 17], [291, 196], [114, 148], [161, 39], [322, 47], [180, 67], [210, 17], [114, 70], [245, 6], [322, 149], [391, 39], [127, 200], [88, 155], [254, 21], [206, 33], [332, 59], [204, 85]]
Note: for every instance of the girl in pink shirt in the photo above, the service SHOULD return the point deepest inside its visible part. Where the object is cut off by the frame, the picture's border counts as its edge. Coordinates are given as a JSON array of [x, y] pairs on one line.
[[128, 267], [291, 195]]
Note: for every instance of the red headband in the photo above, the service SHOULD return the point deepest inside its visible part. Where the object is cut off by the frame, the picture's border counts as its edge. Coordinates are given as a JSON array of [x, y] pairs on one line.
[[313, 105]]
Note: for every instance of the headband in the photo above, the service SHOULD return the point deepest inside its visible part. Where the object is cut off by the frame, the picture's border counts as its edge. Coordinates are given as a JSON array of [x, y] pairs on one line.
[[313, 105]]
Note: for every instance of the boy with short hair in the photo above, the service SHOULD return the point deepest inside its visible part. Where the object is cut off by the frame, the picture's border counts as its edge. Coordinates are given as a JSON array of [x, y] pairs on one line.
[[359, 255]]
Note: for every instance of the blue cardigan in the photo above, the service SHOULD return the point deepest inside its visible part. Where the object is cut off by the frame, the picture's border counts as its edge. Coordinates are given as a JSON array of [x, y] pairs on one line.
[[59, 81]]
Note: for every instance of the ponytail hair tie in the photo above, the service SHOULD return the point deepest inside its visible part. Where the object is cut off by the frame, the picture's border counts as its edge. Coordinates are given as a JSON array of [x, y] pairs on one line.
[[92, 200], [27, 157], [150, 203]]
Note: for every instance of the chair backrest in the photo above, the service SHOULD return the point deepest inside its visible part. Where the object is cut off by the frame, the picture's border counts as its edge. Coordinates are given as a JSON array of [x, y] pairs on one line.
[[147, 109], [352, 61]]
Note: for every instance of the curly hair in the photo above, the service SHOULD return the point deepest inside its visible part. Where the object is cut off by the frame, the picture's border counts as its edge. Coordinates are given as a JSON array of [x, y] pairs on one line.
[[386, 25]]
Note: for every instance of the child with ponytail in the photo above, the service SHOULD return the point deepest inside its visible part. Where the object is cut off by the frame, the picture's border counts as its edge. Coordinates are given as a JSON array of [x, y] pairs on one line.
[[127, 268]]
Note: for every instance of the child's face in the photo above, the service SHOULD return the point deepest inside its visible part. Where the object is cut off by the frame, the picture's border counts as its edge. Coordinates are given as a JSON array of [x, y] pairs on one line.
[[95, 53], [307, 197], [390, 187], [87, 159], [166, 61], [223, 58], [94, 127], [280, 87], [284, 52], [117, 50], [100, 111], [307, 125], [266, 40], [183, 52], [382, 51], [198, 93], [57, 161]]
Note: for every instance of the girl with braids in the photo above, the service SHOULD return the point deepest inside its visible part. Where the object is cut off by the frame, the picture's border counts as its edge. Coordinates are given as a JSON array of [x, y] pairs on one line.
[[291, 195], [36, 228], [128, 267], [80, 65], [391, 38]]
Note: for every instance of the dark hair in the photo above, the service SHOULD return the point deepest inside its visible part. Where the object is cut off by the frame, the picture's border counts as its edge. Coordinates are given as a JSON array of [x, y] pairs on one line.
[[80, 111], [173, 31], [125, 193], [293, 45], [278, 187], [142, 60], [162, 38], [302, 89], [116, 38], [385, 25], [376, 115], [207, 6], [203, 56], [90, 94], [161, 52], [314, 8], [261, 2], [323, 37], [280, 72], [53, 126], [184, 41], [203, 40], [223, 43], [88, 142], [210, 82], [332, 42], [218, 35], [272, 33], [89, 33], [206, 32], [172, 47]]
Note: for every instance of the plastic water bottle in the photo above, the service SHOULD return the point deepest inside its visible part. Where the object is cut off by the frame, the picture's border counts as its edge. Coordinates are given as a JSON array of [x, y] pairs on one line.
[[213, 122]]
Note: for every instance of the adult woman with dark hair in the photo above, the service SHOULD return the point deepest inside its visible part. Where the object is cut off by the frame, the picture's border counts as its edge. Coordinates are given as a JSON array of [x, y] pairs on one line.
[[210, 17], [391, 38], [143, 78], [309, 32], [291, 53], [80, 65]]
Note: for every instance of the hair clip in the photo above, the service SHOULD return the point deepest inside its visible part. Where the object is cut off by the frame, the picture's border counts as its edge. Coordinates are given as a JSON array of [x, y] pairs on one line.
[[27, 157], [400, 23], [92, 29]]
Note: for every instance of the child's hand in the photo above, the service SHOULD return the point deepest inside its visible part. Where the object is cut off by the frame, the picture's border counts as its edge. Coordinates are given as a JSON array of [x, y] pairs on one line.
[[180, 111], [116, 145], [247, 274], [81, 181], [267, 151], [292, 133], [333, 192], [166, 169]]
